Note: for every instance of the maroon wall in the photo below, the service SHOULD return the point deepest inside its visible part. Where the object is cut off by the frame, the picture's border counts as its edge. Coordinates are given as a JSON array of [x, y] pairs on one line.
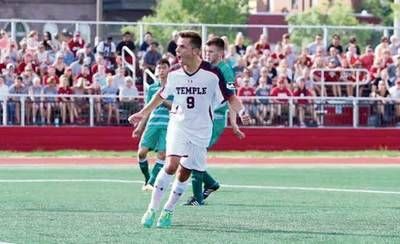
[[118, 138]]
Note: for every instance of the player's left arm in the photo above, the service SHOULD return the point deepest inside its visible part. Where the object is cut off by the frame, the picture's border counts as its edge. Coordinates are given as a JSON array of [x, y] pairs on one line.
[[238, 108], [235, 127]]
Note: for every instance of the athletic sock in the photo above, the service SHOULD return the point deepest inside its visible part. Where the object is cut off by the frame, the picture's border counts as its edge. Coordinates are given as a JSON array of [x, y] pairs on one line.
[[209, 181], [160, 187], [144, 167], [178, 188], [197, 185], [154, 172]]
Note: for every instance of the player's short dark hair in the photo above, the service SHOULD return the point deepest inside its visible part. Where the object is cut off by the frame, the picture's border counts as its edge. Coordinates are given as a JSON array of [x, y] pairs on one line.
[[195, 38], [163, 61], [216, 41]]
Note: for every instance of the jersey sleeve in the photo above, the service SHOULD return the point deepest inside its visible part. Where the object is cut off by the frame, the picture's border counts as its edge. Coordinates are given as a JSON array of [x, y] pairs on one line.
[[168, 89], [227, 90]]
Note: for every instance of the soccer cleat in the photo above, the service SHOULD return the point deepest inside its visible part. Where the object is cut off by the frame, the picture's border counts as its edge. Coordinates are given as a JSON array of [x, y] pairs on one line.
[[210, 190], [165, 219], [147, 188], [193, 202], [148, 218]]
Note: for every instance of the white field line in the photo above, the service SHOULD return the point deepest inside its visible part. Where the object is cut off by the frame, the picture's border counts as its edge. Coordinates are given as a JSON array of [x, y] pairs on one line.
[[284, 188]]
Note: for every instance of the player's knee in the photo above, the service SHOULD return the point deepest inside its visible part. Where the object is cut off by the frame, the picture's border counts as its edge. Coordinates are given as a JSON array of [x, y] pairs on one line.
[[142, 154], [161, 156], [183, 174]]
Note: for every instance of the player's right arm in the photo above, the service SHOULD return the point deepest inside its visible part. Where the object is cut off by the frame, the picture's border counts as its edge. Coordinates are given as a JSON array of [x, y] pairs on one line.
[[145, 112], [137, 132], [157, 99]]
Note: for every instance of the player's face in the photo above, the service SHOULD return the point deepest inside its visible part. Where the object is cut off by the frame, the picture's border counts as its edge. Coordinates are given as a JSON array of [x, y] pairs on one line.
[[185, 53], [162, 71], [212, 54]]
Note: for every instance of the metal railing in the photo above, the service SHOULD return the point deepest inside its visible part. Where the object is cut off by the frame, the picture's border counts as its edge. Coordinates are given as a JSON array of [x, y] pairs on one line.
[[342, 80], [265, 111]]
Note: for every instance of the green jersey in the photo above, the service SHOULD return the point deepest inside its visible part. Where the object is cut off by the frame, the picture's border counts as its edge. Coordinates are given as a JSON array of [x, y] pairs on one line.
[[227, 72], [159, 118]]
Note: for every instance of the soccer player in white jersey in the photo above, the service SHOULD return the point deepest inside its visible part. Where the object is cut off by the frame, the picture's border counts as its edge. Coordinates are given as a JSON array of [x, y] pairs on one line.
[[195, 85]]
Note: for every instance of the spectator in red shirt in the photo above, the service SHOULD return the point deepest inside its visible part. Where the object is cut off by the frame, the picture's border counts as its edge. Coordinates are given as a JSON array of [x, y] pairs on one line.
[[85, 73], [333, 75], [51, 72], [76, 43], [303, 106], [262, 44], [28, 59], [280, 104], [246, 90], [367, 59]]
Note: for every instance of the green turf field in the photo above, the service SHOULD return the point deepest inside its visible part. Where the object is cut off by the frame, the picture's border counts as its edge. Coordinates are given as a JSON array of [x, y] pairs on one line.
[[108, 210]]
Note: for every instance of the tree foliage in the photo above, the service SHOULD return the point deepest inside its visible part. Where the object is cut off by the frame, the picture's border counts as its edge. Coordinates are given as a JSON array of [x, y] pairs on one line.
[[190, 11], [333, 15]]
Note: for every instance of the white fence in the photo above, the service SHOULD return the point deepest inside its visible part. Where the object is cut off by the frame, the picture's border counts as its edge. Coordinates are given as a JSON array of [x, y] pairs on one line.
[[328, 111]]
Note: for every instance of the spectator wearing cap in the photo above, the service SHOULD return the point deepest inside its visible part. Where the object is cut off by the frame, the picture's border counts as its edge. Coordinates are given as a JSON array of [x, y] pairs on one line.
[[335, 43], [107, 49], [280, 104], [76, 43], [76, 66], [151, 58], [127, 41], [127, 96], [303, 106]]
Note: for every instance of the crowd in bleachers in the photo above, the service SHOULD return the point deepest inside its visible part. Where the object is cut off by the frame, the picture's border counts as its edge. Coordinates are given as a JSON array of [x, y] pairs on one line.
[[43, 64]]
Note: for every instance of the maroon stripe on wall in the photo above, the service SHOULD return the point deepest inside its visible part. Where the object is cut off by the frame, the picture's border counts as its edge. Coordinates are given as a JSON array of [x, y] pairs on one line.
[[119, 138]]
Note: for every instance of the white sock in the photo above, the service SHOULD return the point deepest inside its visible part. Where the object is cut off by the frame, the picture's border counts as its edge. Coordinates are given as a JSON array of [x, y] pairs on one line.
[[160, 187], [160, 162], [178, 188]]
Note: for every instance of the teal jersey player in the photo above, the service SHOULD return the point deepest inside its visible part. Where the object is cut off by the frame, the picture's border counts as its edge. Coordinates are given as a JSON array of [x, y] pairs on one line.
[[214, 52], [154, 129]]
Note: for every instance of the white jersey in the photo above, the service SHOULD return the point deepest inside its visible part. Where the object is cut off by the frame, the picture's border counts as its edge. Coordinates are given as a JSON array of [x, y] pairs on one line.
[[194, 98]]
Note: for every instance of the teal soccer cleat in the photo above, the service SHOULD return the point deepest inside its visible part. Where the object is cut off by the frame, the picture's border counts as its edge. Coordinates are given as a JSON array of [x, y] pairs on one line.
[[148, 218], [165, 219]]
